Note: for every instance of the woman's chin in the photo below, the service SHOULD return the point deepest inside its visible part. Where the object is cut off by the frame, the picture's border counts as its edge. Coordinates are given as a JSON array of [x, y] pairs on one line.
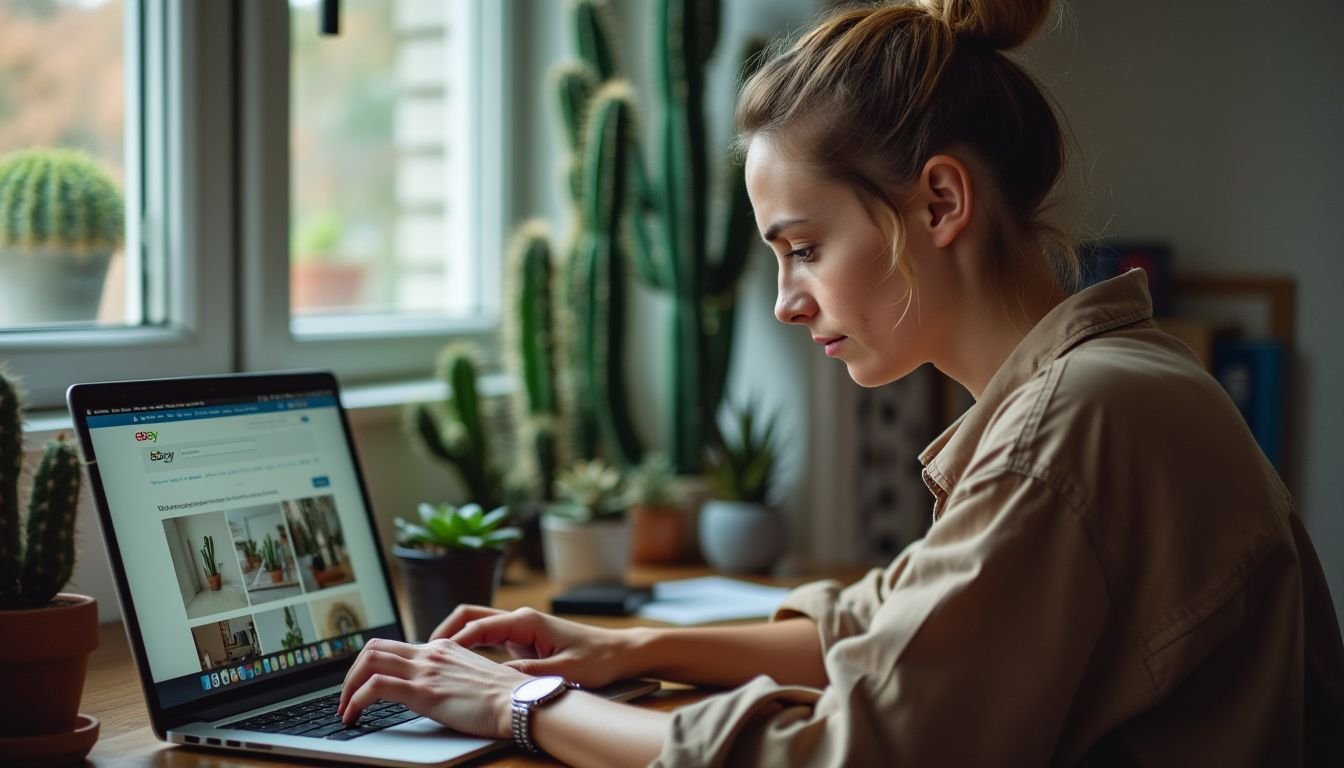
[[870, 378]]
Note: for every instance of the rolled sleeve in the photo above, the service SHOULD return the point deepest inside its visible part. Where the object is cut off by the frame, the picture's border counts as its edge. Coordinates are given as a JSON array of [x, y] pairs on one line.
[[971, 657]]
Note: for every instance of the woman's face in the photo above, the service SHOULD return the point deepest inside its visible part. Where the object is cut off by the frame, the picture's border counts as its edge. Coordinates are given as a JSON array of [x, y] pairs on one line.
[[836, 275]]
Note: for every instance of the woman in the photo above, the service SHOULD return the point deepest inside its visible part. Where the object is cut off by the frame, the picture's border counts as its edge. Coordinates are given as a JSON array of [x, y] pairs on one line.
[[1114, 571]]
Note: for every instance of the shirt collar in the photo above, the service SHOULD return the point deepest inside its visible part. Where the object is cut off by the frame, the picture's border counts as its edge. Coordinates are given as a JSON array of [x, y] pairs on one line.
[[1099, 308]]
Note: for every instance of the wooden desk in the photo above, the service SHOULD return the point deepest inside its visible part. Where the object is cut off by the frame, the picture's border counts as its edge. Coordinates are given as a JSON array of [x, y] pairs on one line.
[[112, 690]]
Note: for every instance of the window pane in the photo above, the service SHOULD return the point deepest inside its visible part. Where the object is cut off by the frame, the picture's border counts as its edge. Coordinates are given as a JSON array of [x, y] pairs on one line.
[[379, 172], [62, 167]]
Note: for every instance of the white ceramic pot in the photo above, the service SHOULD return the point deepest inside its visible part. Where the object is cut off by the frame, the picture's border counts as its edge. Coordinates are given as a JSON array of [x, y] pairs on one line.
[[579, 553], [739, 537]]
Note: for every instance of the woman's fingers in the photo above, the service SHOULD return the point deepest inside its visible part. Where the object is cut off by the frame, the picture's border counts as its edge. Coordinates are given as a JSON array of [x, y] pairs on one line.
[[381, 686], [378, 657], [459, 618], [519, 627]]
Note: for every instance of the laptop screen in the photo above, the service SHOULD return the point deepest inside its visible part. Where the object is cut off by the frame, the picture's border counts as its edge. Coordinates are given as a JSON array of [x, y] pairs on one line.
[[242, 530]]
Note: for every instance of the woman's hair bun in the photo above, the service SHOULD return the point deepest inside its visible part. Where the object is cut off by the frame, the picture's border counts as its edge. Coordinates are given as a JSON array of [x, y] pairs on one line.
[[1003, 24]]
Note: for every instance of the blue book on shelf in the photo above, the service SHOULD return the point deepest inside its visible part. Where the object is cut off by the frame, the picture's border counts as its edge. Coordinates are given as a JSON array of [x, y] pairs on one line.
[[1253, 373]]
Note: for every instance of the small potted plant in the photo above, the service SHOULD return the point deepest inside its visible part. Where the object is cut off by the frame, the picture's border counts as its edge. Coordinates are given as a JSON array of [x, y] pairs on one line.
[[659, 529], [271, 559], [452, 556], [61, 220], [210, 564], [585, 534], [739, 532], [251, 556], [46, 635]]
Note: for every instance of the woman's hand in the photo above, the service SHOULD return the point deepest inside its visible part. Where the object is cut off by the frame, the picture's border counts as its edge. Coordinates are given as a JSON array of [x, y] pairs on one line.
[[541, 644], [440, 679]]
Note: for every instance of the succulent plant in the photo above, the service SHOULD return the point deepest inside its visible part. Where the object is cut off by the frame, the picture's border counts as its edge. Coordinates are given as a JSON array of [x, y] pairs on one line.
[[446, 527], [37, 562], [652, 483], [589, 491], [454, 432], [743, 464]]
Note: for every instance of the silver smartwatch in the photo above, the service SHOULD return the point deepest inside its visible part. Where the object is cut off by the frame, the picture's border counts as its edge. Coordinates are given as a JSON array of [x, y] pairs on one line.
[[530, 695]]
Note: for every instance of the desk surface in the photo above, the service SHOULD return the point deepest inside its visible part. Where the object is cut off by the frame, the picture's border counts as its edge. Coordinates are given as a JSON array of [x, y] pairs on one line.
[[112, 690]]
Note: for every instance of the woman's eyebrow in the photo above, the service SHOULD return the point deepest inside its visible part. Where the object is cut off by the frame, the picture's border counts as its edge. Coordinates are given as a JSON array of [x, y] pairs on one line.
[[773, 231]]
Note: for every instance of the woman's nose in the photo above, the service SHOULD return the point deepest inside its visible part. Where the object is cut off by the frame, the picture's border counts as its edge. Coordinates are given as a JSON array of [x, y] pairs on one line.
[[794, 305]]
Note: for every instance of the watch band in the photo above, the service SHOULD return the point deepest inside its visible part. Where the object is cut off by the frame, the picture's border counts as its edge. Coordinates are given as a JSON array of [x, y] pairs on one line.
[[522, 714]]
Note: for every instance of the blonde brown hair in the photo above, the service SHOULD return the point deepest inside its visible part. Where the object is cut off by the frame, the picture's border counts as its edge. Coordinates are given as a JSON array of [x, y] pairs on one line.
[[872, 92]]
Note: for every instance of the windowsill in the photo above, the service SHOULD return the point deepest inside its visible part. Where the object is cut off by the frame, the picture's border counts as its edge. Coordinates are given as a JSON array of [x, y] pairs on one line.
[[365, 403]]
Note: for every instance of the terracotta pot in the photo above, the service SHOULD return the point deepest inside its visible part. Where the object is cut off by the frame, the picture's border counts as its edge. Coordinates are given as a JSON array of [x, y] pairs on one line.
[[44, 653], [214, 582], [435, 584], [658, 534], [276, 575], [325, 285]]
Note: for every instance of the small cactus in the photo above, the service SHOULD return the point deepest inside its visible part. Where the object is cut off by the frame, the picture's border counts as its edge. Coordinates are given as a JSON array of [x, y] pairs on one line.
[[454, 430], [31, 575], [58, 199]]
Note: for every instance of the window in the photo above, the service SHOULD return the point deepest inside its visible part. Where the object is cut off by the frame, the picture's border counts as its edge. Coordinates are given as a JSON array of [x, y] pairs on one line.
[[380, 154]]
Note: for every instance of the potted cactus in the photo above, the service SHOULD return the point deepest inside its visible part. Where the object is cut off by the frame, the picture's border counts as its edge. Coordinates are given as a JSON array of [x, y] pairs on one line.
[[61, 221], [271, 559], [585, 532], [451, 556], [46, 635], [209, 563], [739, 531]]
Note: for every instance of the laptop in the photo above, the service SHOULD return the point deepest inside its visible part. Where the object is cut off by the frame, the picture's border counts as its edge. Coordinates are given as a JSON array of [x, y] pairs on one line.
[[248, 566]]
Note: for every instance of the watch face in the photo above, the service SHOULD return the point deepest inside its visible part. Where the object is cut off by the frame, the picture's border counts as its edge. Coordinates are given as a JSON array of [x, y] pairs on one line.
[[539, 688]]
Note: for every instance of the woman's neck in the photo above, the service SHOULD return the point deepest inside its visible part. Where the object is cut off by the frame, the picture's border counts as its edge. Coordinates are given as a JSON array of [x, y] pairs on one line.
[[997, 315]]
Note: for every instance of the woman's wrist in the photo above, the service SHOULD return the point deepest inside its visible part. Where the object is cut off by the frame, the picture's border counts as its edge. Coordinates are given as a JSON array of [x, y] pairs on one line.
[[638, 655]]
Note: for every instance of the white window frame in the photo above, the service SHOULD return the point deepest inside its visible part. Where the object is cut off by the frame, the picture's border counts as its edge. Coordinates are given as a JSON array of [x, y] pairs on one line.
[[361, 348], [182, 102]]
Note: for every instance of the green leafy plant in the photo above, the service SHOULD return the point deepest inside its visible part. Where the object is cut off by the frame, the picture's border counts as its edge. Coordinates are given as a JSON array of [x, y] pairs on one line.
[[208, 557], [445, 527], [249, 548], [33, 571], [589, 491], [294, 637], [652, 483], [744, 462], [270, 554]]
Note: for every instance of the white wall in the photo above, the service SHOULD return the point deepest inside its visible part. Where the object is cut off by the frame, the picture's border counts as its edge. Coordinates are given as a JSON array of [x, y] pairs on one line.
[[1217, 126]]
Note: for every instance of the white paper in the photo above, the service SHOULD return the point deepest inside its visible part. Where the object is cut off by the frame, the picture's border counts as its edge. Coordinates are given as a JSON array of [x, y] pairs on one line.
[[709, 599]]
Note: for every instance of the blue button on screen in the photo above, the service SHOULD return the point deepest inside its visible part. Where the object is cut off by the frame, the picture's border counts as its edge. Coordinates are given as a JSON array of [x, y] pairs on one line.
[[321, 481]]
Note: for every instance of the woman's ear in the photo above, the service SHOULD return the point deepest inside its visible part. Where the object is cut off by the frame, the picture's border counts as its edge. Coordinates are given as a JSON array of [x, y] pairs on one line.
[[949, 198]]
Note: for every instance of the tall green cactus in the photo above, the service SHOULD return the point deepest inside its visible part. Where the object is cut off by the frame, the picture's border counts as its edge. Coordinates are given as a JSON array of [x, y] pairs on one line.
[[533, 345], [454, 431], [58, 198], [208, 561], [678, 260], [32, 575]]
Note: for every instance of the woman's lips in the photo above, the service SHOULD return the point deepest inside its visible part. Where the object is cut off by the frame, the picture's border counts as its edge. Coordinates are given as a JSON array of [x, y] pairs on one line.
[[832, 345]]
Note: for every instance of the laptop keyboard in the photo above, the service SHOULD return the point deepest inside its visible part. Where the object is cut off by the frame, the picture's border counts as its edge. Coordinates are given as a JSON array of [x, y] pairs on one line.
[[317, 719]]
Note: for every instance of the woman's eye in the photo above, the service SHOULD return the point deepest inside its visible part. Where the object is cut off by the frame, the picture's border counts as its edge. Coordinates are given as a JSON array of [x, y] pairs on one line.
[[801, 254]]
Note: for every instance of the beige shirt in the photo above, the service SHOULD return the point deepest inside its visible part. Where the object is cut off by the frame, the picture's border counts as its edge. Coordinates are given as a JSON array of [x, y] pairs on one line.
[[1114, 572]]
